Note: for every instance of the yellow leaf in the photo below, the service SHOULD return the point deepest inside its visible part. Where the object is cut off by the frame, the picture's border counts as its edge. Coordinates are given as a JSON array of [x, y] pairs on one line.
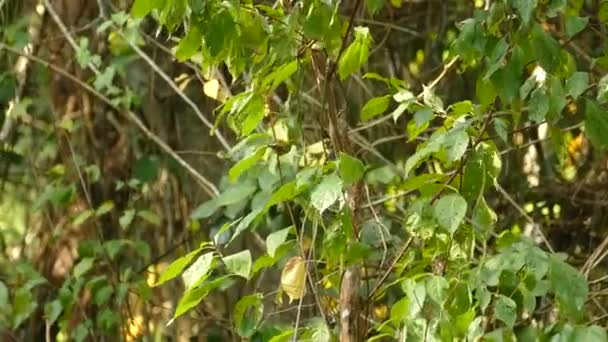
[[293, 278], [381, 312], [213, 89]]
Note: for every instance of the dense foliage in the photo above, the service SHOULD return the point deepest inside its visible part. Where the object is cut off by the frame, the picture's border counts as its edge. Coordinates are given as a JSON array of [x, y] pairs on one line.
[[304, 170]]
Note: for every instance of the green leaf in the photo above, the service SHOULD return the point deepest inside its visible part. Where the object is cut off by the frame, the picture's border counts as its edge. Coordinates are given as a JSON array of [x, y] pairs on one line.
[[485, 91], [319, 331], [190, 44], [176, 267], [596, 124], [575, 25], [592, 333], [83, 267], [219, 33], [103, 294], [126, 218], [239, 263], [506, 310], [82, 217], [484, 217], [284, 336], [3, 294], [436, 288], [235, 194], [569, 285], [356, 55], [351, 169], [525, 8], [602, 88], [141, 8], [546, 49], [432, 146], [462, 108], [254, 113], [108, 320], [449, 212], [456, 144], [205, 210], [399, 310], [149, 216], [557, 99], [114, 246], [245, 164], [508, 79], [275, 239], [326, 193], [52, 310], [248, 313], [198, 271], [577, 84], [24, 305], [105, 208], [194, 296], [430, 99], [421, 121], [496, 58], [374, 6], [375, 106], [285, 193], [538, 105], [280, 75]]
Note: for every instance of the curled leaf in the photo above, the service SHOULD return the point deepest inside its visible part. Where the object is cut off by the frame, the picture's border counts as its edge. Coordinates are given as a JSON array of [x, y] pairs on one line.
[[293, 278]]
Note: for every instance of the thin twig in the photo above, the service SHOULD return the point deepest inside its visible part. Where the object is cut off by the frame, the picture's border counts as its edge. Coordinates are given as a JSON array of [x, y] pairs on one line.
[[390, 269]]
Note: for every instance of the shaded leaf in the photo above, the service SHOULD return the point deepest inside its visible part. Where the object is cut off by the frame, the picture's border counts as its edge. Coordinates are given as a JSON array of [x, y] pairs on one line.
[[575, 24], [326, 193], [351, 169], [577, 84], [83, 267], [449, 212], [596, 124], [248, 313], [506, 310]]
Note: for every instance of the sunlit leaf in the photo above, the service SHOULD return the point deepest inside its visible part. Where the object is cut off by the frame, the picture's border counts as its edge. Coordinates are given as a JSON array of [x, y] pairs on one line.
[[176, 267], [276, 239], [355, 56], [199, 270], [83, 267], [375, 106], [245, 164], [326, 193], [239, 263], [190, 44]]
